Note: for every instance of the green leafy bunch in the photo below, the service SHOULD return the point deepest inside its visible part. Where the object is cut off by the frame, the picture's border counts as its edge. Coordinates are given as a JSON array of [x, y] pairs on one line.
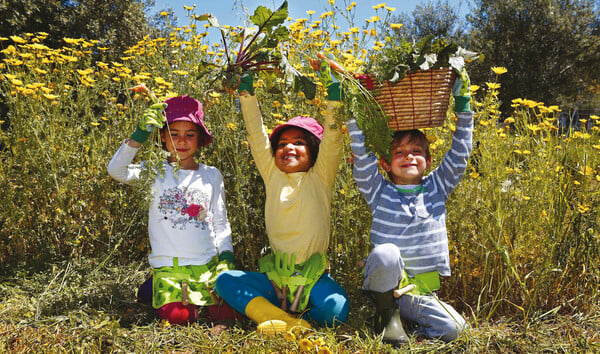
[[370, 118], [396, 60], [257, 47]]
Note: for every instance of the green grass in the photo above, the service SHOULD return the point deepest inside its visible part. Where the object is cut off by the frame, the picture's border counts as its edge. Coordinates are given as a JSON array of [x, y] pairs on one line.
[[79, 306]]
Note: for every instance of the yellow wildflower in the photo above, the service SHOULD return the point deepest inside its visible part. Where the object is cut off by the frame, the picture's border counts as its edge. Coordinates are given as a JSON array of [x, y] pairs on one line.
[[164, 13], [390, 9], [499, 70], [583, 209], [324, 350], [18, 39], [231, 126], [533, 127], [50, 96], [354, 30], [310, 12], [379, 6], [351, 6], [586, 171], [305, 345], [493, 85], [316, 33], [14, 62], [189, 8], [326, 14], [395, 25], [319, 342], [289, 336], [581, 135]]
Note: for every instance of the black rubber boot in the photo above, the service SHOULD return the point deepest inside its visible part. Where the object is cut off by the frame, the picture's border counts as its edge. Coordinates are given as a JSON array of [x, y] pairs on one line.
[[388, 320]]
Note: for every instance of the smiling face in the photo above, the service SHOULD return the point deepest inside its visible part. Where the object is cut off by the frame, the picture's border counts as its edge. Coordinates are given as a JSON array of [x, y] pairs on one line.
[[409, 161], [183, 142], [292, 153]]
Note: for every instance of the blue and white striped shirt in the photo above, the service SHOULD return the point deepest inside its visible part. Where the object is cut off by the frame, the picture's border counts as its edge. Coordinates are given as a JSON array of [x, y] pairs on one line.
[[414, 221]]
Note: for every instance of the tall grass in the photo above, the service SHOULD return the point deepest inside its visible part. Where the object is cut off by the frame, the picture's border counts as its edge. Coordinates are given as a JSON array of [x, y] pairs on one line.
[[523, 224]]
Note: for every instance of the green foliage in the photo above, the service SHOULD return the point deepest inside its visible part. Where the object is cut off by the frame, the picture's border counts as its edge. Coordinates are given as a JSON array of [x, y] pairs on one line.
[[115, 24], [548, 47], [257, 48], [523, 224], [438, 19], [400, 57]]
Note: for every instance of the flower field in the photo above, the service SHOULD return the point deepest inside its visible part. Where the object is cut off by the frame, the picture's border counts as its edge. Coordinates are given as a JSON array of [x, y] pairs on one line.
[[523, 225]]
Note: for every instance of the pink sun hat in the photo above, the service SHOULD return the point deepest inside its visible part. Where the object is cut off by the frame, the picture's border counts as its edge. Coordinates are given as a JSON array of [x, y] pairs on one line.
[[187, 109], [307, 123]]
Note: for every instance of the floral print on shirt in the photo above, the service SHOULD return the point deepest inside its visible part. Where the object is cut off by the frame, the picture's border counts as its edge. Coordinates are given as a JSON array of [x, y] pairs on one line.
[[184, 206]]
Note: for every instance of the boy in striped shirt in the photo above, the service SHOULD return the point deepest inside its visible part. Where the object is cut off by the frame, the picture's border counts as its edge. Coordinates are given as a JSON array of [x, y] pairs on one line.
[[408, 232]]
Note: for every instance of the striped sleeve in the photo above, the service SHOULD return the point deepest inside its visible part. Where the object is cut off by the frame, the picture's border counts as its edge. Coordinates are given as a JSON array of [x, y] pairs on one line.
[[366, 172], [452, 168]]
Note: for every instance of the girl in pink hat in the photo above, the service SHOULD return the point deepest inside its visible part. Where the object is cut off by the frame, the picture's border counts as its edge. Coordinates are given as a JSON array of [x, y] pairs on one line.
[[189, 231], [298, 164]]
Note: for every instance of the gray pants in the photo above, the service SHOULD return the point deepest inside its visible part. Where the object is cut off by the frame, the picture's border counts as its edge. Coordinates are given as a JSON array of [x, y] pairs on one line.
[[433, 317]]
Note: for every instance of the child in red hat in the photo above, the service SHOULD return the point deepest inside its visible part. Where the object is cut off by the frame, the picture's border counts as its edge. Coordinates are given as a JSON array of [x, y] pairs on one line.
[[189, 231], [298, 163]]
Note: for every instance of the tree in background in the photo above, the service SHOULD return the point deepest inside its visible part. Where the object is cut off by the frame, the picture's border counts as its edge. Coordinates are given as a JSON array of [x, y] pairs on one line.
[[116, 24], [551, 48], [439, 19]]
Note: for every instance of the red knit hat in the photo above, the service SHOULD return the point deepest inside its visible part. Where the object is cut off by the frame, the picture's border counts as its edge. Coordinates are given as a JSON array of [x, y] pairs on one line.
[[187, 109], [307, 123]]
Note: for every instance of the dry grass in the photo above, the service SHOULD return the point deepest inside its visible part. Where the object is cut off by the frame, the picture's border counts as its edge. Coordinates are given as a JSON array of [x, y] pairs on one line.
[[76, 307]]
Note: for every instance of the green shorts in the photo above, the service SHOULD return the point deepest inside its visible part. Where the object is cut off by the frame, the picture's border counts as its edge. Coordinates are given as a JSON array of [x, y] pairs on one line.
[[168, 283]]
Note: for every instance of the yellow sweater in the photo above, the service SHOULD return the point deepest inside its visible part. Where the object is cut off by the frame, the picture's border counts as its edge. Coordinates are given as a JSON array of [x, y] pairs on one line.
[[297, 209]]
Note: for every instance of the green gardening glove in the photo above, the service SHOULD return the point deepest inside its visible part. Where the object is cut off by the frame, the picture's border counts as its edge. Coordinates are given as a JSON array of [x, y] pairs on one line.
[[153, 117], [461, 91], [246, 84], [329, 78]]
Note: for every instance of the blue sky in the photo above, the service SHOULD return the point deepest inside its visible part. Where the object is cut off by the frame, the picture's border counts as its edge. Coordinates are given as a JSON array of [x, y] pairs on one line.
[[229, 12]]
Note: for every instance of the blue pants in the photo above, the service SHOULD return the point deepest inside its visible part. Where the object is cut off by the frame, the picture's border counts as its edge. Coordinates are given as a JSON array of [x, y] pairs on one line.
[[433, 317], [327, 305]]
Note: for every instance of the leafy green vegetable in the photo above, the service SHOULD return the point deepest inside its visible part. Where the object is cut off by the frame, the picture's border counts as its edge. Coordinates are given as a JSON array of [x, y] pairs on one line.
[[257, 48], [396, 60]]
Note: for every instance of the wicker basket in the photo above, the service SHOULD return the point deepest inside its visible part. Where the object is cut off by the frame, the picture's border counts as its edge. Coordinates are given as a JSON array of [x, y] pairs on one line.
[[419, 100]]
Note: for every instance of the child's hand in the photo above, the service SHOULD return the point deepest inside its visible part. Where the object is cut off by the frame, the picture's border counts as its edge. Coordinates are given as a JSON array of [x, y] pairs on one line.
[[462, 85], [246, 84], [153, 117], [328, 78], [462, 93]]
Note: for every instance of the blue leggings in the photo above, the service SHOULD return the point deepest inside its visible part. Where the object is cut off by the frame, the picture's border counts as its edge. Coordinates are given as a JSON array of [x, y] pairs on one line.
[[327, 304]]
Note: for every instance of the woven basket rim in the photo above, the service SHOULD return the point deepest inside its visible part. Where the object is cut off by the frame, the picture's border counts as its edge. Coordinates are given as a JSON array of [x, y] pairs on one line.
[[419, 100]]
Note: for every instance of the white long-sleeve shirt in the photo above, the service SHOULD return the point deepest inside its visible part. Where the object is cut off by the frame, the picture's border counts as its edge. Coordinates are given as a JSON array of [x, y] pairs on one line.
[[187, 215]]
